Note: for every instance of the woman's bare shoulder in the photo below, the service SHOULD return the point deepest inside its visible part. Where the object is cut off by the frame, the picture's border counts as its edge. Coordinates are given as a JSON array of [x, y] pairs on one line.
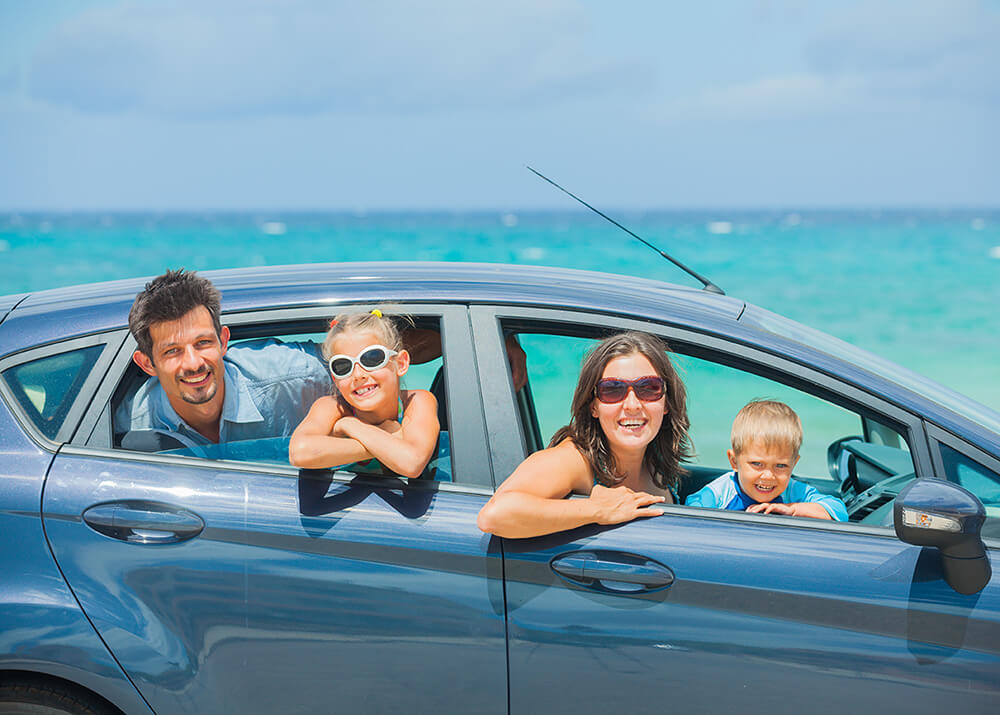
[[553, 472]]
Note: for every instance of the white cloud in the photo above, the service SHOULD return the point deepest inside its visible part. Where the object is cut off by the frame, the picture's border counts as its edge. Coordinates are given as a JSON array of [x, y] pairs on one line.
[[260, 57], [876, 57]]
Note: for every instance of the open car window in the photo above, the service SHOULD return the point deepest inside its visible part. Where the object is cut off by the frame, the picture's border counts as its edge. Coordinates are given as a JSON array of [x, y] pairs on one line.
[[133, 393], [847, 451]]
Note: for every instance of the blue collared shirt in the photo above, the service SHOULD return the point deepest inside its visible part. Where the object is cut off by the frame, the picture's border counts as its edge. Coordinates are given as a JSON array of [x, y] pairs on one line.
[[270, 386], [725, 493]]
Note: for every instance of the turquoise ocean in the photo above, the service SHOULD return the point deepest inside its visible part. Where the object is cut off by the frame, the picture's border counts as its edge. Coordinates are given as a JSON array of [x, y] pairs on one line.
[[921, 288]]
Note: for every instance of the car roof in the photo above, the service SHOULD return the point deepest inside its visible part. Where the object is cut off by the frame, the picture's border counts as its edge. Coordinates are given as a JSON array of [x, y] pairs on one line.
[[79, 310]]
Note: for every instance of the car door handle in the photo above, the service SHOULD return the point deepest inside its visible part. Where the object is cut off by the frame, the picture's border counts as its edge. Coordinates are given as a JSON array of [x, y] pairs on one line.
[[614, 571], [144, 522]]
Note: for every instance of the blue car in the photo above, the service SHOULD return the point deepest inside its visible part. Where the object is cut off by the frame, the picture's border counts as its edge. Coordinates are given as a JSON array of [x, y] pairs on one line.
[[171, 578]]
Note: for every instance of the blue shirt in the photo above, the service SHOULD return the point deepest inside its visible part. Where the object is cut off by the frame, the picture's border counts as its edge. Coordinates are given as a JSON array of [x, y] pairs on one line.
[[725, 493], [270, 386]]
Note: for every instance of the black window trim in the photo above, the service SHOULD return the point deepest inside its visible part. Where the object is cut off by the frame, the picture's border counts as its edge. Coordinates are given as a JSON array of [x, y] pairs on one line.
[[468, 428]]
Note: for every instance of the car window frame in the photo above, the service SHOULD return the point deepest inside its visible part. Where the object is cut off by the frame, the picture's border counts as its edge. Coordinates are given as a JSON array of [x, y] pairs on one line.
[[470, 467], [109, 341], [502, 416], [938, 436]]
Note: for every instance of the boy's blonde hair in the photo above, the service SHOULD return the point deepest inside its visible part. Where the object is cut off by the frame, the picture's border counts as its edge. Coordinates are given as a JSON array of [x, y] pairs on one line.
[[772, 423], [376, 322]]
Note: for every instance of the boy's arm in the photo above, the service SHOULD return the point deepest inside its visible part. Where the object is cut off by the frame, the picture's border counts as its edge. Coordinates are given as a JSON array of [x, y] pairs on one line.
[[704, 497], [805, 500], [810, 509]]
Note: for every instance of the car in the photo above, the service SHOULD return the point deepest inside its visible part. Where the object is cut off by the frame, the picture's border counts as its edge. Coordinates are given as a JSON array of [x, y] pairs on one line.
[[222, 579]]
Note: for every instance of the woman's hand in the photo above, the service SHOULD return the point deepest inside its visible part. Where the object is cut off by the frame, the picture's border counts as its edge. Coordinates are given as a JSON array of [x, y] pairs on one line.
[[614, 505], [531, 501]]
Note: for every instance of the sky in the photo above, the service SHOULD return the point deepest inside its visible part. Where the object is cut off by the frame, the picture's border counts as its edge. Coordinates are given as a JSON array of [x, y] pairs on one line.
[[395, 105]]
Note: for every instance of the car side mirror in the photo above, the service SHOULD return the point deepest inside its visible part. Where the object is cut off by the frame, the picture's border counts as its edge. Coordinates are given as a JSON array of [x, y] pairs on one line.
[[935, 512]]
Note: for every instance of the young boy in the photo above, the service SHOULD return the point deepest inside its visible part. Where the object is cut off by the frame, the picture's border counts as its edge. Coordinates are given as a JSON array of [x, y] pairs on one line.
[[765, 439]]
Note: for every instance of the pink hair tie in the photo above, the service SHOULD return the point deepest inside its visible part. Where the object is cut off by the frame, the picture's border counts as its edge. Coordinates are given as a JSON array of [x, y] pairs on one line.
[[333, 323]]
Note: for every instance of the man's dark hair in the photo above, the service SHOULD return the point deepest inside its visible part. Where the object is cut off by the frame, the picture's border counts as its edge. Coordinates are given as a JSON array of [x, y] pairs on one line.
[[169, 297]]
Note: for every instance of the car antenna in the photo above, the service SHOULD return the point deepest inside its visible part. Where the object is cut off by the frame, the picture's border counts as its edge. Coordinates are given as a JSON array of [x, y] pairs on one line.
[[708, 285]]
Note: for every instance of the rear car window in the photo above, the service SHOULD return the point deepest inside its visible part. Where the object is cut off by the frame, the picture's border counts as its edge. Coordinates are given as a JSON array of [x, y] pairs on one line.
[[45, 388]]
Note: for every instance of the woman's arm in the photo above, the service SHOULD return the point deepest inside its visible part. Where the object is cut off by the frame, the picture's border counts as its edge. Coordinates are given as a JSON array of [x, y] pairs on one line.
[[312, 446], [531, 502], [405, 450]]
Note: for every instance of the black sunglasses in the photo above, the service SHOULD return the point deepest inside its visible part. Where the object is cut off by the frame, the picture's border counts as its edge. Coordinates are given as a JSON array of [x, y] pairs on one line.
[[611, 389]]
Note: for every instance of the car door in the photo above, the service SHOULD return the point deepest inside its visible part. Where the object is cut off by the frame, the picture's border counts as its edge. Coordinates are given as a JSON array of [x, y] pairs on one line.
[[705, 610], [227, 586]]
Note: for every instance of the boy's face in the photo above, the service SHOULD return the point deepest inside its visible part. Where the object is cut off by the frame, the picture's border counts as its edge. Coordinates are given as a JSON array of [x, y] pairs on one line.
[[763, 470]]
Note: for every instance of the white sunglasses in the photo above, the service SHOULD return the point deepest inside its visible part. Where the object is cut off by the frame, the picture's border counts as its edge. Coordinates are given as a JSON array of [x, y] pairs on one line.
[[371, 358]]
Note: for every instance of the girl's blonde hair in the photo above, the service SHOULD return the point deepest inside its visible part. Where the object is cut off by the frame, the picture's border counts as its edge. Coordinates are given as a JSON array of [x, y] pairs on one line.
[[382, 326]]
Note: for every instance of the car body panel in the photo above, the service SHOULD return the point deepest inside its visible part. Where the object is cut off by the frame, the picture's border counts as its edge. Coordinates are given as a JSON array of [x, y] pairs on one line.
[[761, 617], [42, 629], [384, 589]]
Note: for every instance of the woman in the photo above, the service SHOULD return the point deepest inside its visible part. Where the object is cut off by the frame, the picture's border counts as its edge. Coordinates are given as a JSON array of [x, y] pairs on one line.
[[622, 448]]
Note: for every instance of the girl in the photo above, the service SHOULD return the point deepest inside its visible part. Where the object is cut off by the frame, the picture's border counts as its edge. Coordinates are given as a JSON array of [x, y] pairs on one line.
[[368, 416], [622, 448]]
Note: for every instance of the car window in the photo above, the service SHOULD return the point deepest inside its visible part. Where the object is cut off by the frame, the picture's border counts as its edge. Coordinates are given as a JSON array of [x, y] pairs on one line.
[[45, 388], [846, 453], [133, 396], [978, 479]]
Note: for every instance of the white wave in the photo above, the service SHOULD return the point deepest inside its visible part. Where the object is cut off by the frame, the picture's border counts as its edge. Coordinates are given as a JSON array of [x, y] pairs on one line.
[[273, 228]]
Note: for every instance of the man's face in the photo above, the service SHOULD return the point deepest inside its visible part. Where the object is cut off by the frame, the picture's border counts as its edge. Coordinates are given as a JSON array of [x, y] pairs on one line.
[[187, 359]]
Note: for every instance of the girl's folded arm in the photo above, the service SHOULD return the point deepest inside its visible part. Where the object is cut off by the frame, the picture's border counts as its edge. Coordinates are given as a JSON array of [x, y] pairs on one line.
[[312, 446], [409, 449]]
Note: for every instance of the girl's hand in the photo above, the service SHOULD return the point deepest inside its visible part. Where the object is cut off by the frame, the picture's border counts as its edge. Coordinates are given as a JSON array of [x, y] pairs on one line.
[[341, 428], [615, 505]]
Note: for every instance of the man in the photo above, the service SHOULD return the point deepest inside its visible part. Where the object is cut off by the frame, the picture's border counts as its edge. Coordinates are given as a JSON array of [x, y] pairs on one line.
[[204, 392]]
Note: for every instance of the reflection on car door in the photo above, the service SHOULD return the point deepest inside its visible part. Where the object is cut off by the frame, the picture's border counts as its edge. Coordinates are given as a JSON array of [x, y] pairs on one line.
[[242, 590], [732, 612]]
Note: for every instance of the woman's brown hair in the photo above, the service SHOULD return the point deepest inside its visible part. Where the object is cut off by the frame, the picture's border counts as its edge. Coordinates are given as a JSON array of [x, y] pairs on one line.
[[671, 445]]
